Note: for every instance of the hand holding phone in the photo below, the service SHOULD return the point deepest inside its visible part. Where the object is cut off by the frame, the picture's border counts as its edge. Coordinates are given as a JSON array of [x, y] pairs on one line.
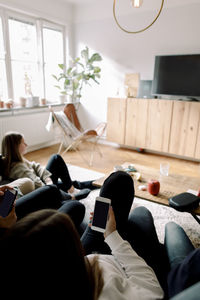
[[7, 202], [100, 214], [111, 223]]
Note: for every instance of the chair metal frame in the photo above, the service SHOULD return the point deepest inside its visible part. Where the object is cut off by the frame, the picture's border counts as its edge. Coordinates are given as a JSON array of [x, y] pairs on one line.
[[74, 137]]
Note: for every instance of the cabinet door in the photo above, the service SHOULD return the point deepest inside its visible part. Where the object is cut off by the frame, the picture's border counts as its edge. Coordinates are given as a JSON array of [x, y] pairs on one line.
[[184, 129], [158, 124], [136, 119], [116, 117], [197, 150]]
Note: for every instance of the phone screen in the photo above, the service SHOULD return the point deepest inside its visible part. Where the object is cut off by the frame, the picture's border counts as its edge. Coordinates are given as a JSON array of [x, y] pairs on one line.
[[100, 215], [7, 202]]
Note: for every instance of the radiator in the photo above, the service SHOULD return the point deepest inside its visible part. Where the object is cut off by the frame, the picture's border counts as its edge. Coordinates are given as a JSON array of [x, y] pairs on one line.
[[32, 126]]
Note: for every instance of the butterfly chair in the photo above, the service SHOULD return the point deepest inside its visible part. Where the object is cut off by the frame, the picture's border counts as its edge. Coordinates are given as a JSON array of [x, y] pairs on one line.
[[73, 136]]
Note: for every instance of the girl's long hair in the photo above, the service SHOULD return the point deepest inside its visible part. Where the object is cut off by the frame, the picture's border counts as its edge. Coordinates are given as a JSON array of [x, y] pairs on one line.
[[46, 249], [10, 150]]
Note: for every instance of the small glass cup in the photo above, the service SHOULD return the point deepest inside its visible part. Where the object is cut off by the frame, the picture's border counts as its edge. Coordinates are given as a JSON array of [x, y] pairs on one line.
[[164, 168]]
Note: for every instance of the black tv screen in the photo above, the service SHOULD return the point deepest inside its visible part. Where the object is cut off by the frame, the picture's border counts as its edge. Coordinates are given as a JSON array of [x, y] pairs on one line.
[[177, 75]]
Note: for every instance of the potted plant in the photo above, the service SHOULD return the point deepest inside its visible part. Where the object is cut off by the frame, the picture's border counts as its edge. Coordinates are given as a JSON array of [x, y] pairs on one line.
[[80, 72]]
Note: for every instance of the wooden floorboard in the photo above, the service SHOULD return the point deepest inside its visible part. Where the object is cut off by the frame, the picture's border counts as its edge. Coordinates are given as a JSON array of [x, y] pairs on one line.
[[113, 156]]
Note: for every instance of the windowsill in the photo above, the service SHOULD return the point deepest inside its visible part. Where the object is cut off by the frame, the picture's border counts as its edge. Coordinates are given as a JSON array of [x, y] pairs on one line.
[[24, 110]]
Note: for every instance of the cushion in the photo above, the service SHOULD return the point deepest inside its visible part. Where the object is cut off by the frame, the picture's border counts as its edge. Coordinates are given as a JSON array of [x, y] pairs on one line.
[[184, 202]]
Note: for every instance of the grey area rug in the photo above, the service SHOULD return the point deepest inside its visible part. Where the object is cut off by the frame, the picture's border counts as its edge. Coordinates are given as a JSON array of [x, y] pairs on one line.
[[161, 214]]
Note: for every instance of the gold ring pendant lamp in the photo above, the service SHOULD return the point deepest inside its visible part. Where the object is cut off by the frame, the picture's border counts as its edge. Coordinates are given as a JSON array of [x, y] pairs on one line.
[[137, 4]]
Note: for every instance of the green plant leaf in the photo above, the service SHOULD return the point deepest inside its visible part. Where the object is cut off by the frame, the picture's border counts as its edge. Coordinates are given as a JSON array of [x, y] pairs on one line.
[[67, 81], [80, 72], [54, 76], [95, 57], [97, 70], [85, 54], [61, 66], [69, 70], [75, 85], [58, 87]]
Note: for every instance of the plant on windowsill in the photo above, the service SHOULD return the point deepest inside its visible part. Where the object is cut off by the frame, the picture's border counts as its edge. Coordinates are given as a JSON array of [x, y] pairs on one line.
[[80, 72]]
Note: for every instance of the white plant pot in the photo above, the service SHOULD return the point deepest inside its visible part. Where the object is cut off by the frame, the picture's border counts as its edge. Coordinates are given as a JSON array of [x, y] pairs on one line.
[[63, 99], [32, 101]]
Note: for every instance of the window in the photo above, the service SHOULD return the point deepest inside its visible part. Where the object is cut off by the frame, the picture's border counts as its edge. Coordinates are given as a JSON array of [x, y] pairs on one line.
[[33, 50], [3, 80], [53, 55], [24, 61]]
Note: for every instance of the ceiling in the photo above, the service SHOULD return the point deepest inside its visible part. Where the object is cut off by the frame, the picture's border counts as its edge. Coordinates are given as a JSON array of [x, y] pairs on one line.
[[97, 1], [80, 1]]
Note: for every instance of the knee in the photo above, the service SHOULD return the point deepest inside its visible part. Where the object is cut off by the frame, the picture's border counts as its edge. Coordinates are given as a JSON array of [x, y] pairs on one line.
[[119, 182], [57, 157], [75, 210], [25, 185], [51, 188], [28, 186], [171, 228], [142, 212]]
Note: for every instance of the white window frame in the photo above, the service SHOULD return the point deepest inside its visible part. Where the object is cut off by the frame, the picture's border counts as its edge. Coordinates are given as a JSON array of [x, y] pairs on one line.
[[39, 23], [50, 25]]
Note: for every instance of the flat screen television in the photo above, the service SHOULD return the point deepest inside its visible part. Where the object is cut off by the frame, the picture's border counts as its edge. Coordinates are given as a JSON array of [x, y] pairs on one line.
[[177, 75]]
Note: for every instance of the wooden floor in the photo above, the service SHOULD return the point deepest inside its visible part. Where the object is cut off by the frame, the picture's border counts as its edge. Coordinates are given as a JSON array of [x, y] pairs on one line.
[[113, 156]]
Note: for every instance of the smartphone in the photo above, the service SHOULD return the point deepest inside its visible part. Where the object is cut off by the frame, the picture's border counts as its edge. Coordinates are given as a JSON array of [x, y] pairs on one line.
[[100, 216], [6, 203]]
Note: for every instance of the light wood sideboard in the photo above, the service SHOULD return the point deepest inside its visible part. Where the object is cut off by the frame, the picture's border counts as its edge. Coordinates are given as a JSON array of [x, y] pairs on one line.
[[168, 126]]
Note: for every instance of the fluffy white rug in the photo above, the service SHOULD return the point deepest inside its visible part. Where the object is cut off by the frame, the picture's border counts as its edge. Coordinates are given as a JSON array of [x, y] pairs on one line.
[[161, 214]]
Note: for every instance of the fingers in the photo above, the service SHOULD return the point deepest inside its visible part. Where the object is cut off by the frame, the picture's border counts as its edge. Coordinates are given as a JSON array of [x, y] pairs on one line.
[[91, 218], [111, 212], [3, 188], [111, 223]]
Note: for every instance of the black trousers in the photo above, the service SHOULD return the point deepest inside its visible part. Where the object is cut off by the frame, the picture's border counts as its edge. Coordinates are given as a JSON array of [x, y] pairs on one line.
[[184, 259], [60, 173], [61, 177], [49, 196]]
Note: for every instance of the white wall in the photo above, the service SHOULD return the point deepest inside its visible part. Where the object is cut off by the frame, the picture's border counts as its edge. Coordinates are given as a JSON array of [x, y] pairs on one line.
[[55, 10], [177, 31]]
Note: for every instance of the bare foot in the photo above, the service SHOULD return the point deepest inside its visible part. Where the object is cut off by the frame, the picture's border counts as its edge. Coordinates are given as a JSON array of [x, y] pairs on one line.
[[71, 190]]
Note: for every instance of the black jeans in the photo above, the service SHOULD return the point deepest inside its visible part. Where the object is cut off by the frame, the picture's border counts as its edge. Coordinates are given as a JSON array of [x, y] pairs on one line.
[[49, 196], [184, 259], [60, 173], [61, 177]]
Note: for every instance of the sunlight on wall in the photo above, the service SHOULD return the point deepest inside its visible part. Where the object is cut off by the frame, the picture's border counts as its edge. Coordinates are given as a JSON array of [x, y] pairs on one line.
[[93, 108]]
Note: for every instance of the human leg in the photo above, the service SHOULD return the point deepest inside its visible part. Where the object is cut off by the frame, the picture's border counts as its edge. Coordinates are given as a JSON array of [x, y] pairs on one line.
[[120, 189], [61, 177], [141, 234], [25, 185], [177, 243], [75, 210], [84, 185], [183, 257], [58, 169], [47, 196]]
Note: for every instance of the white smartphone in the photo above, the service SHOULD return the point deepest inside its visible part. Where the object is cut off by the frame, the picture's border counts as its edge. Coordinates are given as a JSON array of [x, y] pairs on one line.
[[100, 216]]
